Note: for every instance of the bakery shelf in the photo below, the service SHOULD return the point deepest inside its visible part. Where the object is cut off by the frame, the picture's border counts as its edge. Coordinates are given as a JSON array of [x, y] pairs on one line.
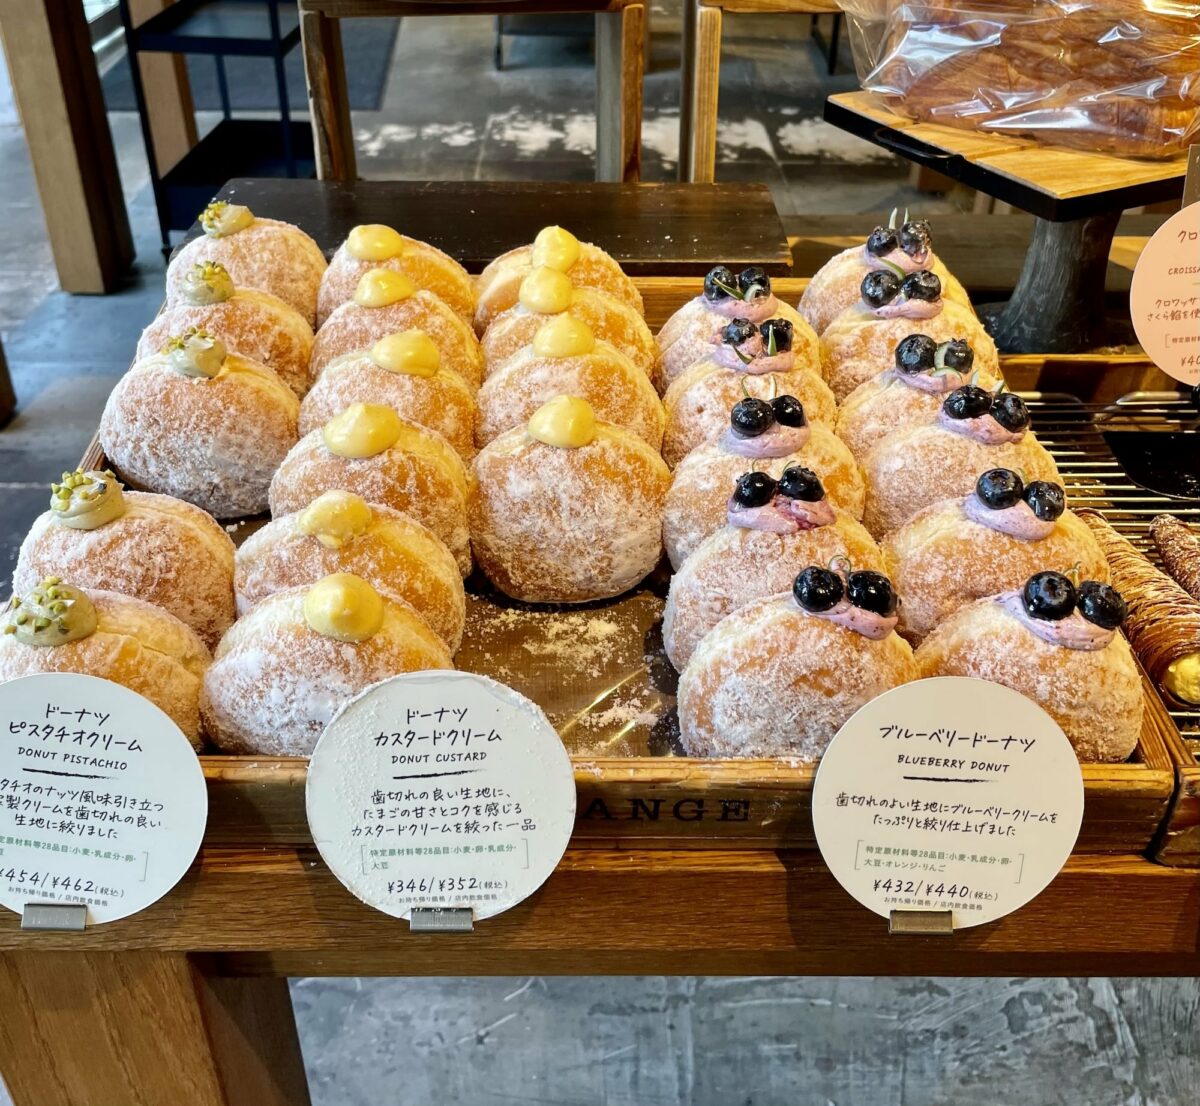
[[241, 27]]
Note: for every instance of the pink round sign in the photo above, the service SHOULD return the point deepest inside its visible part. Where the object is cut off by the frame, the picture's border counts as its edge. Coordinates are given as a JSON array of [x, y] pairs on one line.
[[1164, 298]]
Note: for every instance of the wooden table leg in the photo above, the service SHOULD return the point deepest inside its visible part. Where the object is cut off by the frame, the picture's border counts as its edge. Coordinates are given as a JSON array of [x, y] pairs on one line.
[[620, 75], [144, 1029], [701, 165], [329, 101], [8, 396]]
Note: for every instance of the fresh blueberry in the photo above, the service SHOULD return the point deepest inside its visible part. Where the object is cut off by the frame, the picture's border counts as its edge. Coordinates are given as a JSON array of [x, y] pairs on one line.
[[782, 329], [915, 237], [999, 488], [753, 282], [882, 241], [797, 482], [872, 591], [879, 286], [956, 355], [789, 411], [1047, 500], [737, 331], [720, 284], [916, 354], [818, 589], [754, 489], [751, 417], [1009, 410], [922, 285], [1049, 596], [1101, 604], [967, 402]]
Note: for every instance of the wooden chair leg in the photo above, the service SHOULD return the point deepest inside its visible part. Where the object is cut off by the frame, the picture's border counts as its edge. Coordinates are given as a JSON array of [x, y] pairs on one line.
[[706, 79], [329, 102], [620, 75]]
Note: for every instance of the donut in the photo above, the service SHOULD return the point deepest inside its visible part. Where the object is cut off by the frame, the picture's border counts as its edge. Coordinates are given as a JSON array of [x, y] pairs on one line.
[[773, 527], [265, 254], [586, 265], [341, 532], [402, 371], [907, 248], [200, 424], [283, 671], [152, 547], [255, 325], [565, 358], [567, 509], [545, 293], [370, 450], [694, 332], [374, 246], [386, 303], [1057, 645], [778, 679], [56, 627]]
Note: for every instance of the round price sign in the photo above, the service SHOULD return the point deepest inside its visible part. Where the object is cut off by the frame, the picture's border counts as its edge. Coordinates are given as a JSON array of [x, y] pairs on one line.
[[1164, 297]]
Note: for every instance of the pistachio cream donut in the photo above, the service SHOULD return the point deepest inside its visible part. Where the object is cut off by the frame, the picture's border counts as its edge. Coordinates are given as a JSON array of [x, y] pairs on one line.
[[341, 532], [387, 302], [375, 246], [780, 676], [861, 342], [774, 525], [266, 254], [1058, 645], [902, 250], [567, 508], [370, 450], [253, 324], [586, 265], [565, 358], [200, 424], [152, 547], [696, 330], [545, 293], [975, 431], [283, 671], [962, 549], [752, 362], [56, 627], [763, 437], [403, 371]]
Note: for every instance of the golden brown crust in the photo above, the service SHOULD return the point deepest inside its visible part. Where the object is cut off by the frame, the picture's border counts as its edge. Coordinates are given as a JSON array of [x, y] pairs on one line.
[[1179, 547]]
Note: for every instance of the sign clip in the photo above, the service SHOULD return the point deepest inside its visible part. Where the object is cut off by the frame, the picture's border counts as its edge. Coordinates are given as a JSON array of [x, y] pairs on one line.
[[922, 923], [64, 916], [442, 919]]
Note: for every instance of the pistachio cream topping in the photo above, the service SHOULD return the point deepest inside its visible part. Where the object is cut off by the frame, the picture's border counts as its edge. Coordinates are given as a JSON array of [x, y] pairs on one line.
[[195, 353], [382, 287], [53, 613], [1182, 678], [336, 518], [343, 606], [206, 283], [565, 422], [409, 352], [362, 430], [555, 248], [374, 242], [221, 218], [86, 500], [564, 336], [546, 292]]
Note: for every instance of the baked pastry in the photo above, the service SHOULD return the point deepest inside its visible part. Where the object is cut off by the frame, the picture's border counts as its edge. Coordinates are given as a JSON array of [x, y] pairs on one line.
[[780, 676], [283, 671], [696, 330], [1179, 547], [200, 424], [1057, 645], [861, 342], [565, 358], [751, 361], [909, 394], [386, 302], [586, 265], [403, 371], [901, 249], [266, 254], [773, 527], [545, 293], [375, 246], [341, 532], [371, 451], [56, 627], [567, 508], [255, 325], [962, 549], [768, 437], [975, 430], [152, 547]]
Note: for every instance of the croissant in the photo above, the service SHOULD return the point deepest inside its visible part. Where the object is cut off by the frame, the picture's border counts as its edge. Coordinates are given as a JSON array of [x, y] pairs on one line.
[[1179, 547]]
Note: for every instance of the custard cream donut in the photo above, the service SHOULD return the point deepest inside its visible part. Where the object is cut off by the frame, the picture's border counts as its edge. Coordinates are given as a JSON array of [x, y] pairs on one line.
[[56, 627], [386, 302], [374, 246], [545, 293], [255, 325], [266, 254], [586, 265], [567, 509], [201, 425], [371, 451], [773, 527], [565, 358], [780, 676], [284, 670], [402, 371], [1057, 645], [152, 547]]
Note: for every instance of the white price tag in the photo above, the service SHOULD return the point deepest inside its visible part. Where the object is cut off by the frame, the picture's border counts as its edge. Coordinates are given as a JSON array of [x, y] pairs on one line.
[[102, 799], [948, 794], [441, 790], [1164, 296]]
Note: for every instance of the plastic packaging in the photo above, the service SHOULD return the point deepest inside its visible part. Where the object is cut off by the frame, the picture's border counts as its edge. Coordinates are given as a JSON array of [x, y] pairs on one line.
[[1118, 76]]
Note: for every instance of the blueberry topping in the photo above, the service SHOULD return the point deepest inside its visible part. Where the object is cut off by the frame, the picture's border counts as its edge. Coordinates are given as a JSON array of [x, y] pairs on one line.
[[956, 355], [737, 331], [720, 284], [872, 591], [818, 589], [753, 282], [789, 411], [880, 286], [915, 237], [916, 353], [922, 285], [967, 402], [1101, 605], [1009, 410], [754, 489], [1047, 500], [751, 417], [1049, 596], [797, 482], [782, 330], [882, 241], [999, 488]]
